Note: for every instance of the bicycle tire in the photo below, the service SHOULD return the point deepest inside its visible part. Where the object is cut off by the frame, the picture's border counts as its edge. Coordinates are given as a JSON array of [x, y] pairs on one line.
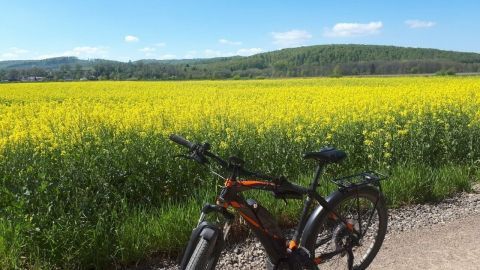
[[374, 196], [200, 256]]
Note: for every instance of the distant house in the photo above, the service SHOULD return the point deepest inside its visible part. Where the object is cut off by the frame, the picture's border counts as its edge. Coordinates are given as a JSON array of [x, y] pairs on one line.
[[33, 79]]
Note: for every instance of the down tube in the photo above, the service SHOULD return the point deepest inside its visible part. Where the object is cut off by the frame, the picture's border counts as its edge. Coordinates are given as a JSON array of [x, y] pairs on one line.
[[265, 227]]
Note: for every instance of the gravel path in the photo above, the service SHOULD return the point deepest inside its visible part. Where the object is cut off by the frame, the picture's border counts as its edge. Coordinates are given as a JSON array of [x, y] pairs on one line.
[[442, 236], [429, 236], [454, 245]]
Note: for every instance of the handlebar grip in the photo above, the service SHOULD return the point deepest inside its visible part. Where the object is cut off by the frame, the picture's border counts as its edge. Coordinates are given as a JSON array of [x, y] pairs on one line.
[[180, 140]]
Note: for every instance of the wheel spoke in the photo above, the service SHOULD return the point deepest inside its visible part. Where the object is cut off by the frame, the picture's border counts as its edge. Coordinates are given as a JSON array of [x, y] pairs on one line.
[[323, 241], [359, 220], [370, 219], [334, 242]]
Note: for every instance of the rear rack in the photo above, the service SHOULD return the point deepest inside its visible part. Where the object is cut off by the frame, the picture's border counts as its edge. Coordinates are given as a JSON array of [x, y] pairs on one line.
[[361, 179]]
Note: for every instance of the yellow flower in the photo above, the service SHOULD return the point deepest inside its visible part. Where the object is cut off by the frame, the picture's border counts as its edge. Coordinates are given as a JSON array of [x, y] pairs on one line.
[[368, 142], [223, 145]]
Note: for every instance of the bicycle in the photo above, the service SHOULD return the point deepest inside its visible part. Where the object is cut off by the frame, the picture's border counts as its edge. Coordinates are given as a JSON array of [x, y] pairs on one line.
[[334, 234]]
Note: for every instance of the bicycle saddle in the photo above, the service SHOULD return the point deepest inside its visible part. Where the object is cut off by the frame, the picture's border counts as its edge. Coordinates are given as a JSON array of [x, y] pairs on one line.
[[326, 155]]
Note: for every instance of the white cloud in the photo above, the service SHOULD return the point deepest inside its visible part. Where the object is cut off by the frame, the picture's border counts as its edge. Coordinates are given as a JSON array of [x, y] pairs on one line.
[[190, 54], [8, 56], [229, 42], [87, 51], [250, 51], [131, 38], [291, 38], [208, 53], [150, 51], [48, 55], [13, 53], [354, 29], [81, 52], [419, 24], [16, 50], [168, 57], [147, 50]]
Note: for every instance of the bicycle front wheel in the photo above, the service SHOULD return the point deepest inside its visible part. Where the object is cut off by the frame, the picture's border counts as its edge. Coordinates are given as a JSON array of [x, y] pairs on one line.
[[365, 210], [202, 256]]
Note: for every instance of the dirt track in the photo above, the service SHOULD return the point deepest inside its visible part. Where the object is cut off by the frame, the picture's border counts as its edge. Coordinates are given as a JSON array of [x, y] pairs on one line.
[[454, 245]]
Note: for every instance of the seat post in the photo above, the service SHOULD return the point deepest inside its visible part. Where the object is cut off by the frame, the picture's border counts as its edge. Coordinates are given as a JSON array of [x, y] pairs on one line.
[[308, 203], [316, 178]]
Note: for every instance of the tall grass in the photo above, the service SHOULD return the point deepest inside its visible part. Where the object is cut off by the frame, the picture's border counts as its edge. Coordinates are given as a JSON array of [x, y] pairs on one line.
[[419, 184], [10, 245]]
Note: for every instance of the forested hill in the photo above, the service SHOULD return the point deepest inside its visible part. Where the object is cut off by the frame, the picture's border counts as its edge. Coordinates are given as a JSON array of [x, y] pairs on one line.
[[333, 54], [321, 60]]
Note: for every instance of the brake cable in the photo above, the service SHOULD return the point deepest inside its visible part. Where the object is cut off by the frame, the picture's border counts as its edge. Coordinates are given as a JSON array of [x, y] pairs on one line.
[[216, 174]]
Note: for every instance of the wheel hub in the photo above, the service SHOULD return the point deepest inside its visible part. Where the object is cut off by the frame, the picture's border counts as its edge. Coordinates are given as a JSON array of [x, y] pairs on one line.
[[343, 237]]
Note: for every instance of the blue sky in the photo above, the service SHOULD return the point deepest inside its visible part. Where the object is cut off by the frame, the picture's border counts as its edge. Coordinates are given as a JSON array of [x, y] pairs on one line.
[[131, 30]]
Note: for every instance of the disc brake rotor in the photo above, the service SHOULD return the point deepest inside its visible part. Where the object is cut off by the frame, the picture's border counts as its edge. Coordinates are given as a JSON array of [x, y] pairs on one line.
[[342, 236]]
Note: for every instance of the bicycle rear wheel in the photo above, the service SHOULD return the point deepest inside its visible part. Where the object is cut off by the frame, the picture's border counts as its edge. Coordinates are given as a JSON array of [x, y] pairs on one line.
[[363, 209]]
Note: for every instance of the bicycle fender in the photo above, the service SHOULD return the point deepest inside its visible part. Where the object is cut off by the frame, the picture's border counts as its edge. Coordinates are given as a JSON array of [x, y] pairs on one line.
[[320, 213], [315, 218], [208, 232]]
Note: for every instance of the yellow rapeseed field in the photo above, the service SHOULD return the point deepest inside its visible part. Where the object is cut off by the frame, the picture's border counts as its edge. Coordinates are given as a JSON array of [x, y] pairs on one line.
[[58, 114]]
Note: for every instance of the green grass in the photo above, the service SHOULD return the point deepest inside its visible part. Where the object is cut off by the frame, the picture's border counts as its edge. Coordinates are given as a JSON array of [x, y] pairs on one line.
[[142, 232], [102, 203], [419, 184], [146, 231], [10, 245]]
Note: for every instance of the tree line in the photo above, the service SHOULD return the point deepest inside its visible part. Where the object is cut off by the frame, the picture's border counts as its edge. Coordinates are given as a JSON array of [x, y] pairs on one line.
[[323, 60]]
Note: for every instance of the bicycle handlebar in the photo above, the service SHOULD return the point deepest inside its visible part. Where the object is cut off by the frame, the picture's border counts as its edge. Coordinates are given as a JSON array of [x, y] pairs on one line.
[[182, 141], [218, 159], [199, 151]]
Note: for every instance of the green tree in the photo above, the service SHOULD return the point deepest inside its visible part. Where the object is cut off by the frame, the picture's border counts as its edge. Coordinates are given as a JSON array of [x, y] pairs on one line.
[[337, 71]]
